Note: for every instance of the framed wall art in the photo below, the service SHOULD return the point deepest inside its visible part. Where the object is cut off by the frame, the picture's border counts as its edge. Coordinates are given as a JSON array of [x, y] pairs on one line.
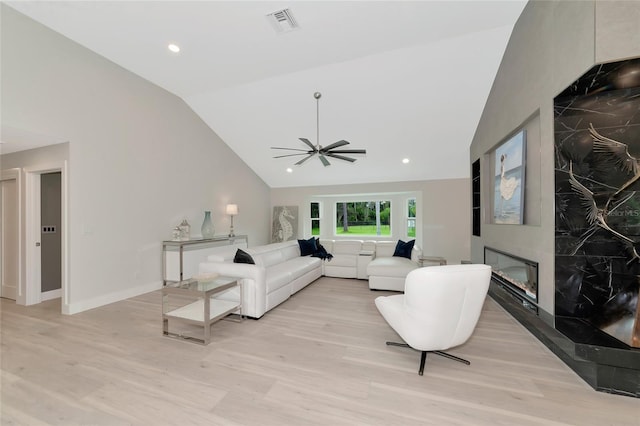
[[508, 200], [285, 224]]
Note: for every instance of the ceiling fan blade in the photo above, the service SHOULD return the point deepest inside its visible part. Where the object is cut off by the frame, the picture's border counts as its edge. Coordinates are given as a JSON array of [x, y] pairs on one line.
[[291, 149], [349, 151], [324, 160], [289, 155], [335, 145], [305, 140], [340, 157], [304, 159]]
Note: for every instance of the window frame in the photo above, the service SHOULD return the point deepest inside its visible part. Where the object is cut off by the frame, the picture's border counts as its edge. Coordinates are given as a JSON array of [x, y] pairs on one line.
[[338, 205], [328, 224], [318, 218], [410, 218]]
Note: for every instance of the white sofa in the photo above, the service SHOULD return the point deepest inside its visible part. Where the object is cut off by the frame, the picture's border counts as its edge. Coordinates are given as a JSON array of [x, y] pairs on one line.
[[280, 271], [388, 272], [350, 258]]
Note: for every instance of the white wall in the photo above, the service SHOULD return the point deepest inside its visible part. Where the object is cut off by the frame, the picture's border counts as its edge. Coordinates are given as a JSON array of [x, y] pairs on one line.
[[616, 30], [139, 159], [444, 211], [553, 43]]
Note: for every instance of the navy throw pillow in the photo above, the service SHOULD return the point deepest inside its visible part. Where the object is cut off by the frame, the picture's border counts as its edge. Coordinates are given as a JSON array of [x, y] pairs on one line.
[[321, 252], [307, 247], [243, 257], [404, 249]]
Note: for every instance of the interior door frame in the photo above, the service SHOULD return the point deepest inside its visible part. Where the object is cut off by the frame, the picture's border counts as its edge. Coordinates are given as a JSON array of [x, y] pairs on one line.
[[11, 174], [33, 278]]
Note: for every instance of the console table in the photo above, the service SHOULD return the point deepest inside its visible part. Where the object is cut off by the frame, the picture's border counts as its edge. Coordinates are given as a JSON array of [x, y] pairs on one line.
[[173, 254], [205, 310]]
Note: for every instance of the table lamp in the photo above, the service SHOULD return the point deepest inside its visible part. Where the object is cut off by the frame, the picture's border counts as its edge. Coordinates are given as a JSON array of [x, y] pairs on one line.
[[232, 210]]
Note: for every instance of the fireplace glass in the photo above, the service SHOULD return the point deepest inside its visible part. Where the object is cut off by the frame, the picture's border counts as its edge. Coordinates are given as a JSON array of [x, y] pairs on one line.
[[518, 275]]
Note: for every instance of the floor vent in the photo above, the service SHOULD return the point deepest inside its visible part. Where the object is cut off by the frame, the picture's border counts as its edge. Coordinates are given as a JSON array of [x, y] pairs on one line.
[[283, 21]]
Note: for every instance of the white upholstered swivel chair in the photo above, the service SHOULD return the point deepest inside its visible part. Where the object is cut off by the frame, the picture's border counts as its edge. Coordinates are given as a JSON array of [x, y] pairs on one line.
[[439, 309]]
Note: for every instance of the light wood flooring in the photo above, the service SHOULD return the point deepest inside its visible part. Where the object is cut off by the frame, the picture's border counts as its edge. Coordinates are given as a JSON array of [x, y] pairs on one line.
[[318, 359]]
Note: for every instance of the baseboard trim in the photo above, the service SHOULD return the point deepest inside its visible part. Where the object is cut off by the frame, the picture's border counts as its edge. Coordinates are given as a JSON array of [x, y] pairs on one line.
[[85, 305], [50, 295]]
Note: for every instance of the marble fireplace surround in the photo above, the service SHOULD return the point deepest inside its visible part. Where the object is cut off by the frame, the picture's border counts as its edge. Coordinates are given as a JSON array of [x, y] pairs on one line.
[[597, 182], [600, 360], [597, 242]]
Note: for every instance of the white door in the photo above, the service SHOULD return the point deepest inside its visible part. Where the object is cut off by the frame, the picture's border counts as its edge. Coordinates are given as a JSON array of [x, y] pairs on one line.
[[9, 247]]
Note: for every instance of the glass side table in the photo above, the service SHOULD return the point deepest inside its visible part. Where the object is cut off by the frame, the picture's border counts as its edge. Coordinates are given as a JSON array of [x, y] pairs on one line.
[[205, 310], [431, 260]]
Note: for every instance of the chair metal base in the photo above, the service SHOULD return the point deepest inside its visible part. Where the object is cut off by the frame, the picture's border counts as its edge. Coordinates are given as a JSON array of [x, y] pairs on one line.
[[423, 356]]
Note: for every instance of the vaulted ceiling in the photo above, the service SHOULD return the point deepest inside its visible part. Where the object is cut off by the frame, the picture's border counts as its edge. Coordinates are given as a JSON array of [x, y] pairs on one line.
[[399, 79]]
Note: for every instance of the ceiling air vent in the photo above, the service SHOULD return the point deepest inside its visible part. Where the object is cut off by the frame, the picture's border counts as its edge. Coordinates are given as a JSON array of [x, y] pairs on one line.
[[283, 21]]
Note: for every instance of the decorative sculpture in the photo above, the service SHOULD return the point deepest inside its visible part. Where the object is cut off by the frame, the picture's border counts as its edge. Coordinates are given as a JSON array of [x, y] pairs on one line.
[[618, 155]]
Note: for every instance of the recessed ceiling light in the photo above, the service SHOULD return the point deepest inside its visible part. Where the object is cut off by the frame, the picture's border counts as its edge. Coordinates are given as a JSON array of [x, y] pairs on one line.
[[405, 160], [174, 48], [289, 170]]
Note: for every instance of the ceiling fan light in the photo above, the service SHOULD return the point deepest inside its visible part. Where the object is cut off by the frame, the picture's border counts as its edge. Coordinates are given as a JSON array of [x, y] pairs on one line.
[[318, 150]]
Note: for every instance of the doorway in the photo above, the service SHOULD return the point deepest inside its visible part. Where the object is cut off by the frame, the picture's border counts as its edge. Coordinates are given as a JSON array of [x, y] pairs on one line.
[[10, 234], [46, 235], [50, 238]]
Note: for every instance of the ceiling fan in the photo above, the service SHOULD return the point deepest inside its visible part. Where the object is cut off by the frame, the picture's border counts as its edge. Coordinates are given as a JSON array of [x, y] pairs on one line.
[[319, 150]]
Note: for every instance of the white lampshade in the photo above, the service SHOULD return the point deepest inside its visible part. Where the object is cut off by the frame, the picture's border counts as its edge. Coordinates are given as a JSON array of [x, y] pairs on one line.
[[232, 209]]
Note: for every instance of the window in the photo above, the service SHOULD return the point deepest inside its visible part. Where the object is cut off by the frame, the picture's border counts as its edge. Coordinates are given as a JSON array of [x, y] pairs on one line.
[[368, 216], [411, 217], [315, 218], [363, 218]]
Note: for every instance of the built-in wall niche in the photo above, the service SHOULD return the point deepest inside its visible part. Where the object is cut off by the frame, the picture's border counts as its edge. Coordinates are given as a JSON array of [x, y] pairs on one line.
[[597, 197], [511, 177], [476, 213]]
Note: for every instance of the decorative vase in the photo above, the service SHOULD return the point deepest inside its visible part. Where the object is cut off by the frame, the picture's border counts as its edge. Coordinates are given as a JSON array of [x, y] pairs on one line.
[[207, 226]]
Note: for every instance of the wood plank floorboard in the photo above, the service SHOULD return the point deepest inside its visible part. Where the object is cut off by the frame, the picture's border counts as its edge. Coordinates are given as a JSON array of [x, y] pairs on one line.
[[318, 359]]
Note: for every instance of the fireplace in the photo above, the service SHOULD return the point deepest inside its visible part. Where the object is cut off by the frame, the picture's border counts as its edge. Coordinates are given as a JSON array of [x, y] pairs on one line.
[[517, 275], [604, 362]]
